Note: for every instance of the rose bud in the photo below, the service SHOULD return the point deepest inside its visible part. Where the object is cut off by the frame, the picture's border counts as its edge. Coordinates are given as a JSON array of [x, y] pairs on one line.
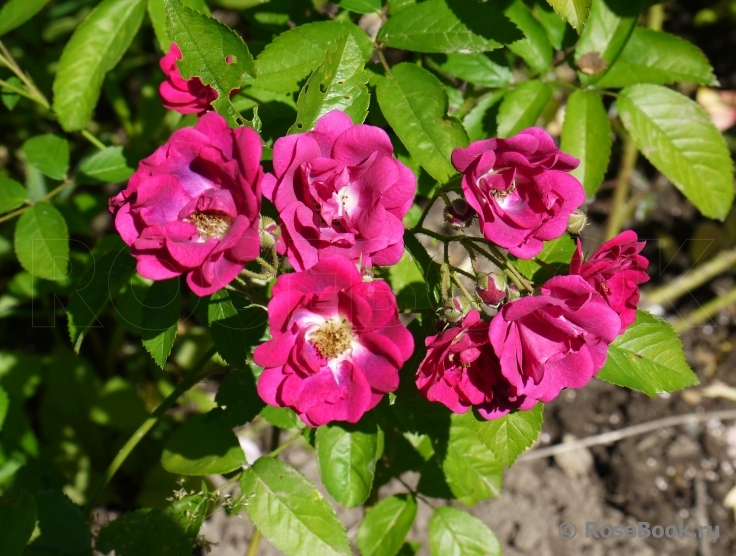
[[270, 232], [459, 214], [455, 309], [491, 288], [577, 222], [512, 293]]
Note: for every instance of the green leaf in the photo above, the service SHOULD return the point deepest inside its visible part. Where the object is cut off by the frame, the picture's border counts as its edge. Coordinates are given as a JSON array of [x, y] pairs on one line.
[[4, 402], [235, 327], [95, 48], [296, 53], [480, 122], [556, 253], [415, 104], [160, 318], [479, 69], [100, 282], [586, 134], [144, 532], [281, 417], [16, 12], [534, 48], [648, 357], [609, 26], [510, 435], [471, 469], [11, 98], [453, 532], [555, 26], [238, 401], [385, 526], [679, 139], [339, 83], [17, 520], [12, 195], [430, 269], [196, 448], [522, 106], [106, 166], [63, 527], [449, 26], [655, 57], [290, 511], [157, 13], [574, 11], [206, 46], [42, 242], [49, 154], [347, 460], [361, 6], [408, 282]]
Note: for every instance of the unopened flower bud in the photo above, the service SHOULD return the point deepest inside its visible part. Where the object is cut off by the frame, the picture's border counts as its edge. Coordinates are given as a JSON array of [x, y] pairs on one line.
[[492, 288], [455, 309], [512, 294], [270, 232], [459, 214], [577, 222]]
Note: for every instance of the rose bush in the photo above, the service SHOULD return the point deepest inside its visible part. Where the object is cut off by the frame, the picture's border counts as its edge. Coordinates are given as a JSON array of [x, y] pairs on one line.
[[349, 235]]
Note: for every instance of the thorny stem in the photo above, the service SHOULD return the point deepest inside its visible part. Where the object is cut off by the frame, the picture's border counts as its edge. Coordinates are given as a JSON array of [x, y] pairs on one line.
[[691, 279], [192, 378], [621, 192], [704, 313], [265, 264]]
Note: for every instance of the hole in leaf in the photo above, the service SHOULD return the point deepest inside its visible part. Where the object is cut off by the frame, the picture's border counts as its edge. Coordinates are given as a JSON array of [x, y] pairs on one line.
[[323, 88]]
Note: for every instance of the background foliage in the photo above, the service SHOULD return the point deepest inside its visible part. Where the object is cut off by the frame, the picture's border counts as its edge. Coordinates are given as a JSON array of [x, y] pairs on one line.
[[92, 352]]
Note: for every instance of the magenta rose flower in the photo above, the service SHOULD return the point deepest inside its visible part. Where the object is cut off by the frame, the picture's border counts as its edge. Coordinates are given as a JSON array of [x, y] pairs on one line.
[[461, 370], [520, 188], [554, 340], [615, 270], [337, 343], [340, 191], [185, 97], [192, 206]]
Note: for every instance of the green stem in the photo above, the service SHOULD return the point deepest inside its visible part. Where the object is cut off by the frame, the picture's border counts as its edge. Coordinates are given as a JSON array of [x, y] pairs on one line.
[[254, 542], [46, 197], [94, 140], [465, 291], [15, 89], [7, 60], [691, 279], [276, 451], [621, 193], [704, 313], [194, 376], [503, 262], [425, 212]]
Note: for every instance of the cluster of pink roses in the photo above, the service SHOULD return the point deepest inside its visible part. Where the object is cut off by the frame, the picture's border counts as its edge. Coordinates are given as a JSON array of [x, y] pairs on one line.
[[193, 208], [539, 344]]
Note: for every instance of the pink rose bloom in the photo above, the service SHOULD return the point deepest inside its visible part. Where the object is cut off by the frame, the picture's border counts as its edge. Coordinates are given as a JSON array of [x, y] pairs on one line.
[[340, 191], [461, 370], [186, 97], [192, 206], [520, 189], [555, 340], [337, 343], [615, 271]]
